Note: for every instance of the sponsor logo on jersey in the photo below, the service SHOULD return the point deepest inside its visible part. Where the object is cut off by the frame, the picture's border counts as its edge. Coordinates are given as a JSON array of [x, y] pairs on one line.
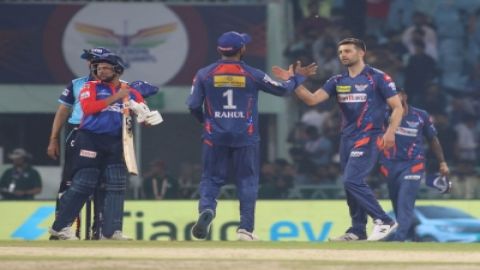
[[344, 88], [84, 95], [269, 80], [392, 86], [103, 93], [413, 177], [117, 107], [229, 114], [412, 124], [355, 154], [361, 87], [87, 153], [229, 81], [351, 98], [65, 92], [410, 132]]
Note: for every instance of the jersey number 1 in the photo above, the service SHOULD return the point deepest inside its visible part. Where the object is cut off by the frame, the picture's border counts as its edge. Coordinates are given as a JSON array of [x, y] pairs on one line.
[[229, 95]]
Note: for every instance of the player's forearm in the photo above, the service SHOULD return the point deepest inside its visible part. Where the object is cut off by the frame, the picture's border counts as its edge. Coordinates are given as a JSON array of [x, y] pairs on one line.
[[310, 98], [395, 119], [437, 150], [60, 117]]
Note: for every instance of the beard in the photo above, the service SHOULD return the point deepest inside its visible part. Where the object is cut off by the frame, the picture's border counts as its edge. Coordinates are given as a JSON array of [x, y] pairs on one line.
[[108, 79], [350, 63]]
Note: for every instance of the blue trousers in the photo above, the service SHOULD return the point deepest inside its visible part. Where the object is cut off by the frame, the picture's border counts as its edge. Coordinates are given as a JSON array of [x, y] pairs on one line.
[[245, 164], [96, 155], [358, 157], [404, 179]]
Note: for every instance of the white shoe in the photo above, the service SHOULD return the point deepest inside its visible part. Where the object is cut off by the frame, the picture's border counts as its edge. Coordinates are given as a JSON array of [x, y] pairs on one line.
[[244, 235], [381, 231], [64, 234], [117, 236], [347, 237]]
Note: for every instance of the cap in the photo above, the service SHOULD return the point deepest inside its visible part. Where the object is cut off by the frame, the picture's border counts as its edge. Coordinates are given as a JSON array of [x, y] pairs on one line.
[[439, 182], [94, 52], [18, 153], [232, 41]]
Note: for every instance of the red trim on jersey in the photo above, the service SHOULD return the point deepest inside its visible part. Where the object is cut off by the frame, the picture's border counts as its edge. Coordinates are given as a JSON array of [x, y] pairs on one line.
[[417, 168], [234, 69], [208, 142], [384, 170], [88, 99], [362, 142]]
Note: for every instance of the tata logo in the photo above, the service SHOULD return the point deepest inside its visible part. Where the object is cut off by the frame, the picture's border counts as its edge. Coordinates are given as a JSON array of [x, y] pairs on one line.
[[154, 45]]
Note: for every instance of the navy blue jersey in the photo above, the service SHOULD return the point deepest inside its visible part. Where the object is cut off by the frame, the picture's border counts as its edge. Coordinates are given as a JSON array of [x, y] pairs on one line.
[[362, 99], [98, 116], [224, 97], [409, 136]]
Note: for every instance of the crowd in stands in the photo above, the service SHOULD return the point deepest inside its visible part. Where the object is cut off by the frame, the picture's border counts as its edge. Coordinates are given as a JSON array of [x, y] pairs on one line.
[[438, 66]]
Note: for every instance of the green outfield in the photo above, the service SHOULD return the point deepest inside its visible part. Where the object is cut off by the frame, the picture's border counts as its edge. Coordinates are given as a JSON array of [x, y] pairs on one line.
[[236, 255]]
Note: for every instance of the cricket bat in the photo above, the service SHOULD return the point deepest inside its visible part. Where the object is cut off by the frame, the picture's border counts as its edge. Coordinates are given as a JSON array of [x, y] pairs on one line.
[[127, 137]]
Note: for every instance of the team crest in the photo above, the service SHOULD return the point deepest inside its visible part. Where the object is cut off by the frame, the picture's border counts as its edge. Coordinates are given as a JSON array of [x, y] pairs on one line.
[[412, 124], [361, 87]]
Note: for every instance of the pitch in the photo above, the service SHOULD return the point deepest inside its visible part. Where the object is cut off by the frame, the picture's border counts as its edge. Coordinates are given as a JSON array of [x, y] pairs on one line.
[[55, 255]]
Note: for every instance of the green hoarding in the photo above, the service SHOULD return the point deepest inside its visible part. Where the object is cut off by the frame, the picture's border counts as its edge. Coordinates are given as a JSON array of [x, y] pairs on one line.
[[172, 220]]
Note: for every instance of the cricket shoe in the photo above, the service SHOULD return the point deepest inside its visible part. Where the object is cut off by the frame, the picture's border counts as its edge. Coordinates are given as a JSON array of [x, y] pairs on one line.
[[201, 229], [64, 234], [117, 236], [382, 230], [347, 237], [244, 235]]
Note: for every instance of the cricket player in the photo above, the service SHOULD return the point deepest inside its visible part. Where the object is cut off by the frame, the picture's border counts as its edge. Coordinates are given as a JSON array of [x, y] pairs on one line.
[[224, 98], [99, 150], [70, 108], [404, 164], [363, 94]]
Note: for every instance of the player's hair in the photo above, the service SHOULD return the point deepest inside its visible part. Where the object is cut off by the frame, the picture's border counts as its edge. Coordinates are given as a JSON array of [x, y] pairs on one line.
[[229, 53], [355, 41]]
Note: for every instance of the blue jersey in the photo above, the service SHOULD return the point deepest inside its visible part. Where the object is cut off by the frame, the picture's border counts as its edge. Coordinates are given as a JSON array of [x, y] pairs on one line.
[[409, 136], [98, 117], [362, 100], [70, 98], [224, 97]]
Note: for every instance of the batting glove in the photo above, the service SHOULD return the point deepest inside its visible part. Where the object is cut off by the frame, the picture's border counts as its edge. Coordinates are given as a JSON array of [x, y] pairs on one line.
[[153, 118]]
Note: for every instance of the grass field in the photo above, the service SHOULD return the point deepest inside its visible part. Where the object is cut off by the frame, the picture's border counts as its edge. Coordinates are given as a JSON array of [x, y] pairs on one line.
[[40, 255]]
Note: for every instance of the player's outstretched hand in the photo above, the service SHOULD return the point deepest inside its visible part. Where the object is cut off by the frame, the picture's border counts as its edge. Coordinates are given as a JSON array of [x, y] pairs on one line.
[[282, 74], [306, 70]]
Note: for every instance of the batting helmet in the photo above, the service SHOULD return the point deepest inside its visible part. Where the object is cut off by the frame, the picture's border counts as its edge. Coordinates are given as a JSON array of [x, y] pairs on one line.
[[111, 58], [90, 54]]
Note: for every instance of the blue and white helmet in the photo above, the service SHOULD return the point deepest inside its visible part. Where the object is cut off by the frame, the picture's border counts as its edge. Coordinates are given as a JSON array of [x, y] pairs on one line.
[[90, 54], [439, 182]]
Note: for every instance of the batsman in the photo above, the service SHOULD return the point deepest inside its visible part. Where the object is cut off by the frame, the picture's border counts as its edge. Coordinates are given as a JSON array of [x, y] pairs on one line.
[[99, 148]]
